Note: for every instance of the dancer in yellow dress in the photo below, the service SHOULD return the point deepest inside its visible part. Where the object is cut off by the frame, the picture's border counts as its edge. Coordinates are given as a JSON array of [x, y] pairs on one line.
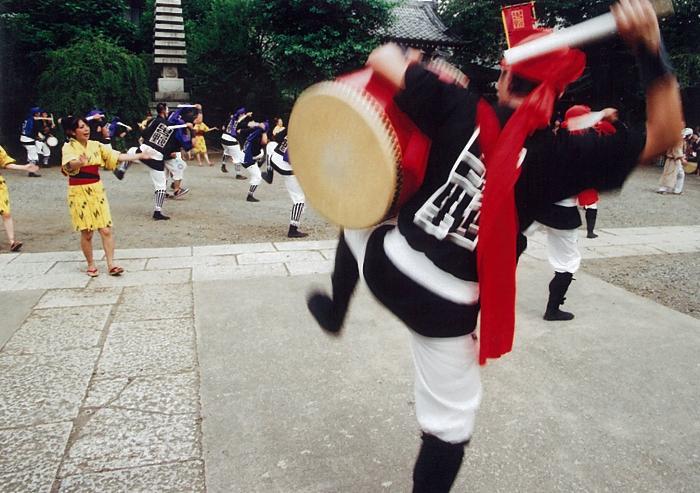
[[199, 145], [8, 162], [87, 201]]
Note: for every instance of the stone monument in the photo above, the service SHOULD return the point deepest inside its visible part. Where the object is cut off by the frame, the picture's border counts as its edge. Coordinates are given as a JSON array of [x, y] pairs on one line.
[[170, 52]]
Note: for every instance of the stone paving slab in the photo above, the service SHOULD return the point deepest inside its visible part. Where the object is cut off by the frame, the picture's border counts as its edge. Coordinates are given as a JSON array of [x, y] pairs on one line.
[[147, 303], [6, 258], [305, 268], [624, 251], [679, 247], [278, 257], [31, 456], [289, 246], [167, 394], [317, 414], [122, 438], [43, 388], [52, 330], [25, 269], [234, 249], [16, 307], [79, 297], [189, 262], [143, 278], [200, 273], [46, 281], [606, 402], [329, 254], [56, 256], [148, 348], [153, 252], [128, 265], [169, 478]]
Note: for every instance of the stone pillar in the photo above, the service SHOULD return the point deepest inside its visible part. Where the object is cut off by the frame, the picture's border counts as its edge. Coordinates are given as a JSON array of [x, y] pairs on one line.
[[170, 52]]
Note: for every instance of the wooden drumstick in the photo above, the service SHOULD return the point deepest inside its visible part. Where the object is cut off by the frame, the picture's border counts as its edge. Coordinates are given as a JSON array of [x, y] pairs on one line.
[[595, 29]]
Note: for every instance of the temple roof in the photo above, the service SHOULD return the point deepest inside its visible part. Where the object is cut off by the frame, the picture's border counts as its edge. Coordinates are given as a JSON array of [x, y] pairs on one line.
[[416, 23]]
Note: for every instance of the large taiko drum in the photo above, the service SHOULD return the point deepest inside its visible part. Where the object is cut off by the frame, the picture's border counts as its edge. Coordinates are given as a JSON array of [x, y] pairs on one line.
[[357, 157]]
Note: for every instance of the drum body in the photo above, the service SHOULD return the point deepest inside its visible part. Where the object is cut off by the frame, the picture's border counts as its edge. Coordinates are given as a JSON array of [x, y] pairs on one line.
[[357, 157]]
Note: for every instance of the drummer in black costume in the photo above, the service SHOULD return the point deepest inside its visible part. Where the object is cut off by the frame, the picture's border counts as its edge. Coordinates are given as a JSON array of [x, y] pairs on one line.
[[254, 137], [230, 144], [277, 156], [561, 220], [30, 128], [424, 269], [166, 139]]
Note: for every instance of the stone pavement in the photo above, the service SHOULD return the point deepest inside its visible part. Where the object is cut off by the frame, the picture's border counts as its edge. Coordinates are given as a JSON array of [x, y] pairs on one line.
[[200, 370]]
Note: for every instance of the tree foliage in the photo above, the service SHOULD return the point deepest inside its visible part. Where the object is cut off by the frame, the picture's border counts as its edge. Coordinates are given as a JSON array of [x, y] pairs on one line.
[[94, 72], [309, 41], [261, 54], [225, 62]]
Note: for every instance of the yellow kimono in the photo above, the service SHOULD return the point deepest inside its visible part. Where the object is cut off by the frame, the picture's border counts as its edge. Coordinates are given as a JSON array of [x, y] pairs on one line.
[[87, 201], [5, 159], [200, 146]]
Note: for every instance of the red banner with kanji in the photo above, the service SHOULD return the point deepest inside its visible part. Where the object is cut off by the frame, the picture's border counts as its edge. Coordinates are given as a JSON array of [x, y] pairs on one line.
[[518, 21]]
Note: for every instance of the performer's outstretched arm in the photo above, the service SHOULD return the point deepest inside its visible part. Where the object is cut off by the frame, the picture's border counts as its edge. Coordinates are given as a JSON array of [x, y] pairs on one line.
[[638, 26]]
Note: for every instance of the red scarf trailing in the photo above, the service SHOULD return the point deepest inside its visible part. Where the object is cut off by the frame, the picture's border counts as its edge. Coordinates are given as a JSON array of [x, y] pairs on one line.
[[498, 224]]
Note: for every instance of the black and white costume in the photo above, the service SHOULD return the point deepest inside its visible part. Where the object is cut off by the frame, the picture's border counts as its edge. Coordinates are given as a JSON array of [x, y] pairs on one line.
[[252, 134], [162, 138], [231, 145], [278, 161], [423, 268], [28, 135], [560, 221]]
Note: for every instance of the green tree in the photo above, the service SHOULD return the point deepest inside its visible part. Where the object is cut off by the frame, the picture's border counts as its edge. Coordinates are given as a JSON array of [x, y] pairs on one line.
[[308, 41], [95, 72], [225, 63], [30, 29]]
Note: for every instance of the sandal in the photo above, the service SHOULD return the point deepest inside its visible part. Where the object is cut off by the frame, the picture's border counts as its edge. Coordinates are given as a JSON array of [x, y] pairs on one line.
[[116, 271], [93, 272], [15, 246]]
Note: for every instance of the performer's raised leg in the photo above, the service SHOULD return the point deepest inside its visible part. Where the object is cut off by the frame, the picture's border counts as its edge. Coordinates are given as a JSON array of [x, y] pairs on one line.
[[329, 311]]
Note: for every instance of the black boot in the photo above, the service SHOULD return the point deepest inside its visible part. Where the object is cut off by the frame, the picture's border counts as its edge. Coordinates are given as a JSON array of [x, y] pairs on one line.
[[557, 289], [295, 233], [223, 168], [437, 465], [250, 198], [330, 312], [591, 215], [159, 216]]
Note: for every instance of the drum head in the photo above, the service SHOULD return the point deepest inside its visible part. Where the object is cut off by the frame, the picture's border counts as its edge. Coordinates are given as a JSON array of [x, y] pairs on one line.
[[52, 141], [345, 154]]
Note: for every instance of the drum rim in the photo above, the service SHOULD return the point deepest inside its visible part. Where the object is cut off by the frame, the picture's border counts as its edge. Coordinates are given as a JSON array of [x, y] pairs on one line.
[[377, 118]]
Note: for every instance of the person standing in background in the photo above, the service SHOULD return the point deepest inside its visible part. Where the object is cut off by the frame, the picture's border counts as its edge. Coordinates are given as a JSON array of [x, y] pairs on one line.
[[8, 162]]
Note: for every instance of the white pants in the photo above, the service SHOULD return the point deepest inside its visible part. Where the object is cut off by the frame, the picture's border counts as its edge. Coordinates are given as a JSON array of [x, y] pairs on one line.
[[234, 152], [447, 385], [158, 179], [447, 379], [294, 189], [255, 174], [43, 148], [31, 146], [176, 166]]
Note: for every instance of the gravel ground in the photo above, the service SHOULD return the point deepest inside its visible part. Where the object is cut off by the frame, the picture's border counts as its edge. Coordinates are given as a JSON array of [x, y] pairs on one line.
[[215, 212]]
